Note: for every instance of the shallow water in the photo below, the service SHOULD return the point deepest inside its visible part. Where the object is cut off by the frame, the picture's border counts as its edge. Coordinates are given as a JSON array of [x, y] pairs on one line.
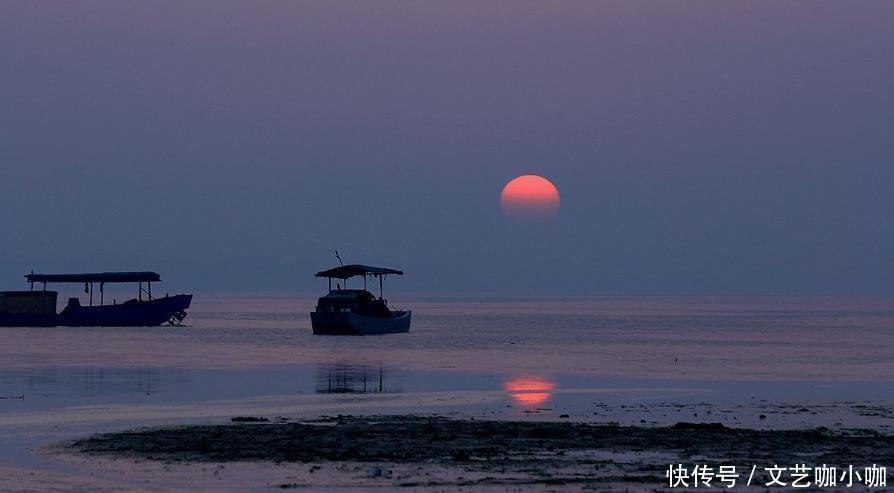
[[243, 346]]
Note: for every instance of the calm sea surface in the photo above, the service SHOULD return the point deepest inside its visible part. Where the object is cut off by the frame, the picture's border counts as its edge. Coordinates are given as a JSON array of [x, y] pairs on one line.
[[237, 347]]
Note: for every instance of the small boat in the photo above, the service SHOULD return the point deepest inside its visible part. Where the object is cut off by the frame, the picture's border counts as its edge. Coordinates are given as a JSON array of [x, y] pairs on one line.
[[357, 311], [37, 308]]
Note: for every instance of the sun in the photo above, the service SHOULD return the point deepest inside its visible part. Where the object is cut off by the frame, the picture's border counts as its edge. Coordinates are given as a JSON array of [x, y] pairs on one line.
[[530, 197]]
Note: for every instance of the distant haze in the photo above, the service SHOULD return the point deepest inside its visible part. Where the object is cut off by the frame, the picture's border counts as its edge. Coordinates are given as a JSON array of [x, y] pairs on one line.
[[699, 147]]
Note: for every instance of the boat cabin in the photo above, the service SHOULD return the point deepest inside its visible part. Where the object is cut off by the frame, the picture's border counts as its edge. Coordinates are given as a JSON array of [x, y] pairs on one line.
[[358, 301], [28, 308]]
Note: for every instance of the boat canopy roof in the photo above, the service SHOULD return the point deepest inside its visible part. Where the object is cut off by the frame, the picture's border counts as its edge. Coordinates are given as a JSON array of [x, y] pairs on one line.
[[347, 271], [96, 277]]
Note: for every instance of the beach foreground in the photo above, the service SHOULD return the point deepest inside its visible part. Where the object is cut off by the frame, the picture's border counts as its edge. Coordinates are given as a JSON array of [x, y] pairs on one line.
[[436, 453]]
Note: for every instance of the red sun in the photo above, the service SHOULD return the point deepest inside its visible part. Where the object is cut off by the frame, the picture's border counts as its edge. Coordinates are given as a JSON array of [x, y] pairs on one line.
[[530, 197]]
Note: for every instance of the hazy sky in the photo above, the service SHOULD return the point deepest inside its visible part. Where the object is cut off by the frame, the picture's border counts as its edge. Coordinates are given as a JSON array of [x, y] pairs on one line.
[[699, 147]]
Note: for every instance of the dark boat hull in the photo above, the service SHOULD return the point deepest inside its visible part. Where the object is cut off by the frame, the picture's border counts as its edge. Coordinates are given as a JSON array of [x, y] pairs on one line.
[[346, 323], [132, 313]]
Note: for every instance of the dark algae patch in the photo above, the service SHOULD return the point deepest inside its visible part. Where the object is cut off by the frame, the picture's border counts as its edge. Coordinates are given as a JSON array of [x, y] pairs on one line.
[[405, 439], [249, 419], [440, 454]]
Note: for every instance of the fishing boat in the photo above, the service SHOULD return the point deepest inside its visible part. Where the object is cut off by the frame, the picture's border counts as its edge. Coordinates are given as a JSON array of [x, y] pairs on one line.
[[37, 307], [346, 311]]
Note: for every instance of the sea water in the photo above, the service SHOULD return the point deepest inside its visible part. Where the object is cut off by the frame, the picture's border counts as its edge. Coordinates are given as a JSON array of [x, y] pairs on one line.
[[235, 347]]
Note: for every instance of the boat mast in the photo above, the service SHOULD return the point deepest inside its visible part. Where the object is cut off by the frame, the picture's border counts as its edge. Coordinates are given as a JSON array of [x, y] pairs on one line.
[[341, 264]]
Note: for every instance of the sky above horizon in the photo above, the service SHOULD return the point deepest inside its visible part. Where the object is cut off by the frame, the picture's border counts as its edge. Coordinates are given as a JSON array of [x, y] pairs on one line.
[[699, 147]]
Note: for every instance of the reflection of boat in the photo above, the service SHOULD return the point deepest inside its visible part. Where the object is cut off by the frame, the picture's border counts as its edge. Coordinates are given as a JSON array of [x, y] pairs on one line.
[[353, 379], [357, 311], [38, 307]]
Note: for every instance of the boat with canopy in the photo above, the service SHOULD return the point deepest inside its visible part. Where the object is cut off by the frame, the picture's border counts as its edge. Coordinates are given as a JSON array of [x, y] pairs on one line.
[[344, 311], [37, 307]]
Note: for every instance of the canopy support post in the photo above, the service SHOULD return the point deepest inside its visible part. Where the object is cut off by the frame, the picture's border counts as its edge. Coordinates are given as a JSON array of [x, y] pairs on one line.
[[140, 292], [330, 283], [381, 292], [102, 294], [364, 282], [149, 285], [91, 293]]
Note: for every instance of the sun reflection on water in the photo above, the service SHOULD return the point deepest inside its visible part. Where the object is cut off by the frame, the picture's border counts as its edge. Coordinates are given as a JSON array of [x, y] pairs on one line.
[[529, 391]]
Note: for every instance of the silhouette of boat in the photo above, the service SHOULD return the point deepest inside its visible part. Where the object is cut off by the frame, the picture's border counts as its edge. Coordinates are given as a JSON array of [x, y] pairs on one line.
[[357, 311], [37, 308]]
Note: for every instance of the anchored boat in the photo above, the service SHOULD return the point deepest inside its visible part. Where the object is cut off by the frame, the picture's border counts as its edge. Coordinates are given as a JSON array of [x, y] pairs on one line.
[[357, 311], [37, 308]]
